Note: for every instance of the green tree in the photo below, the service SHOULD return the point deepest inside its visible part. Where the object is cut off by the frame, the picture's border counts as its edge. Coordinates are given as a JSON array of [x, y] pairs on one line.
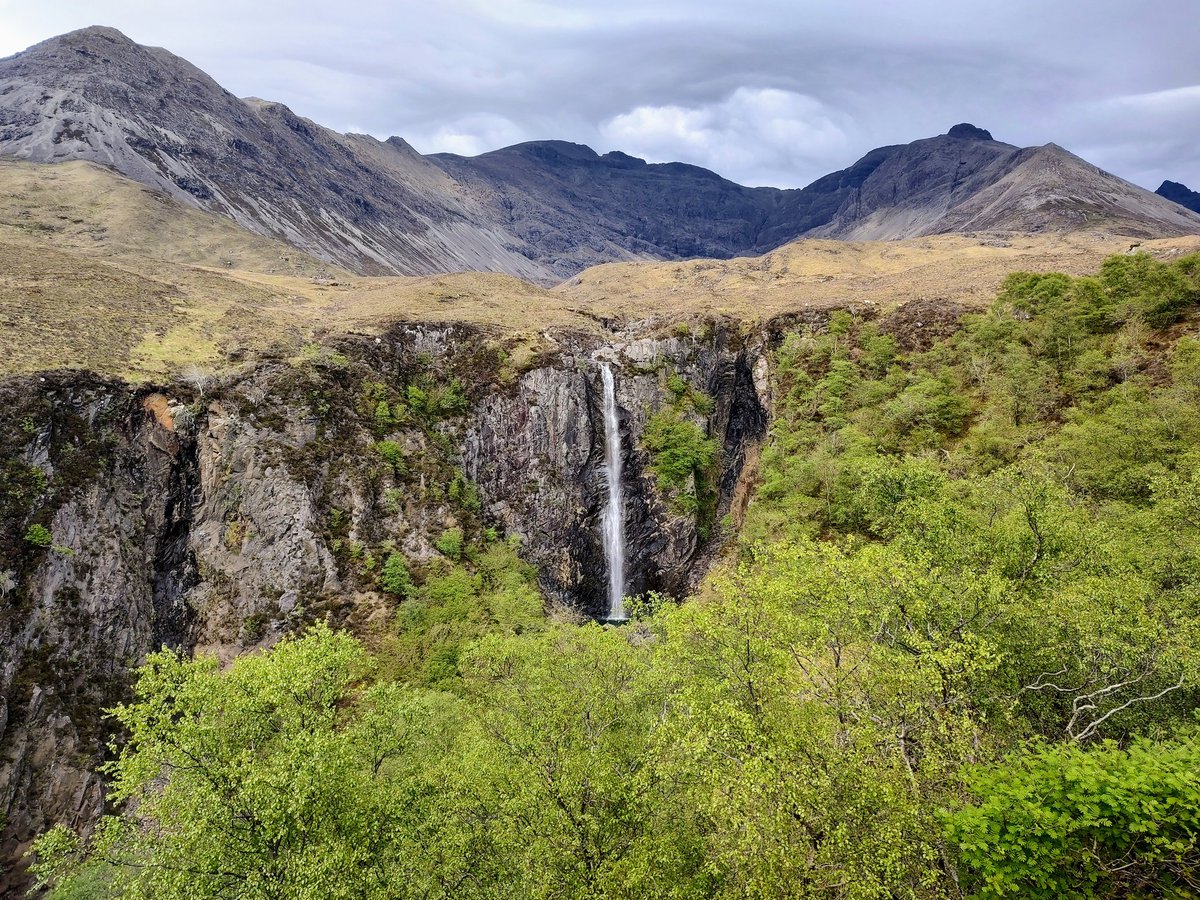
[[281, 778]]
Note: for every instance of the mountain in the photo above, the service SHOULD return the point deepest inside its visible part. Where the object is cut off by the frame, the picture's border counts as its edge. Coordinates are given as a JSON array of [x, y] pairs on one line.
[[375, 207], [575, 208], [966, 181], [556, 197], [543, 210], [1181, 194]]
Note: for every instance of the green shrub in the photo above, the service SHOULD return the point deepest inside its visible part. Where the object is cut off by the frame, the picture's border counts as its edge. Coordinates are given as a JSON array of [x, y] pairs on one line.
[[1063, 821], [450, 544], [679, 448], [38, 535], [394, 577], [392, 453]]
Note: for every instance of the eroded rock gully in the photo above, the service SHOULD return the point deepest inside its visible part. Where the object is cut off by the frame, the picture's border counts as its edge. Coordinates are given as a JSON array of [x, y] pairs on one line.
[[217, 516]]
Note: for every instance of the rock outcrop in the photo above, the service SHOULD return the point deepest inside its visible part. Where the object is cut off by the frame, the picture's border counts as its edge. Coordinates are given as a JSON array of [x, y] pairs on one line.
[[218, 515]]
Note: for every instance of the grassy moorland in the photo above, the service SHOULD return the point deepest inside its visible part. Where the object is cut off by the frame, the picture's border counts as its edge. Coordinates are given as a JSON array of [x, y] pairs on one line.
[[97, 272]]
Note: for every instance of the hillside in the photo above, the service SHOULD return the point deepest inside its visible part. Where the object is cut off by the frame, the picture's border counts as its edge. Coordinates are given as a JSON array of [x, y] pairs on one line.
[[101, 273], [542, 211], [938, 575], [375, 207], [559, 525]]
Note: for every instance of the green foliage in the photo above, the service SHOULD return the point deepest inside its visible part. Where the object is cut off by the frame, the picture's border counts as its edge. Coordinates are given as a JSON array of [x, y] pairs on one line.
[[464, 493], [394, 576], [450, 543], [681, 457], [38, 536], [1063, 821], [457, 604], [281, 777], [559, 756], [392, 453], [956, 653], [432, 401]]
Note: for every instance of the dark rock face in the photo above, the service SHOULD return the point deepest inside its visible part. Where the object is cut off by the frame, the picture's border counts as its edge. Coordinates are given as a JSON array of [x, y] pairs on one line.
[[217, 517], [968, 132], [543, 210], [87, 460], [1181, 194], [574, 208]]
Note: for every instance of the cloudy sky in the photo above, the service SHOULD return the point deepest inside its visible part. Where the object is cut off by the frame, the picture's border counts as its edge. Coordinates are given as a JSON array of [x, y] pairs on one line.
[[762, 91]]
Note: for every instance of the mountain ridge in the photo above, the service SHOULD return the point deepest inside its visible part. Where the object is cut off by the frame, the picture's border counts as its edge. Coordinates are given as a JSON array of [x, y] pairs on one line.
[[541, 210]]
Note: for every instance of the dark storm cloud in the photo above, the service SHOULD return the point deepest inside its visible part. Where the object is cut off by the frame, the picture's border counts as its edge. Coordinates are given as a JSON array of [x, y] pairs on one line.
[[763, 92]]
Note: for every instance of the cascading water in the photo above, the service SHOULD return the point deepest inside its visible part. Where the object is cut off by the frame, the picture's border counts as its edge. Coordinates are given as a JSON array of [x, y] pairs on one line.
[[614, 513]]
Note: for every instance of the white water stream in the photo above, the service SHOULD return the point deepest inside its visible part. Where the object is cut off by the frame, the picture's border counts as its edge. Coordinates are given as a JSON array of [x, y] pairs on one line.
[[614, 513]]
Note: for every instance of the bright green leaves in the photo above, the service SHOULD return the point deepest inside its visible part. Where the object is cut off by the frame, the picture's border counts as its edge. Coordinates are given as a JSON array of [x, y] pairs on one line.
[[559, 753], [281, 777], [1058, 821], [681, 456]]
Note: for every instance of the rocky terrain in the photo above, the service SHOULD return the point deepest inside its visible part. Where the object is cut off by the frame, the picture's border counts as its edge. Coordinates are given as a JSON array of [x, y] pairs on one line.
[[375, 207], [542, 211], [208, 439], [248, 359]]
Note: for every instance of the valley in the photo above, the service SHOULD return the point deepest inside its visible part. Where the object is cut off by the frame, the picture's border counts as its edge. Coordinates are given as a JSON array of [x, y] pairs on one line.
[[554, 524]]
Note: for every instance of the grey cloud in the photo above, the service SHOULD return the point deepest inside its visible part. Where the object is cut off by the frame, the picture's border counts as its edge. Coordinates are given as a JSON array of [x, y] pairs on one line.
[[762, 91]]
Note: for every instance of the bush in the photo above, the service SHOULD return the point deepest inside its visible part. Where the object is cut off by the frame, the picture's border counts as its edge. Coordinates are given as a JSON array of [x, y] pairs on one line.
[[394, 576], [392, 453], [38, 535], [1063, 821], [450, 543], [680, 454]]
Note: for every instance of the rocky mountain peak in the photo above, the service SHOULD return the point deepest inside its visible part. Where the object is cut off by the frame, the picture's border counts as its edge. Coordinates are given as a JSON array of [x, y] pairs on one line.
[[965, 131], [93, 37], [1181, 194]]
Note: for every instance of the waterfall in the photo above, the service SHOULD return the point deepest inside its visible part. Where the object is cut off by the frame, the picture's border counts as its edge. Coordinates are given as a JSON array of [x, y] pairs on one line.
[[614, 512]]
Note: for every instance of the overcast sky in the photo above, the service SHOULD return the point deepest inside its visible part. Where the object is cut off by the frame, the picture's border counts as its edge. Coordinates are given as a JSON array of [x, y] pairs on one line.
[[762, 91]]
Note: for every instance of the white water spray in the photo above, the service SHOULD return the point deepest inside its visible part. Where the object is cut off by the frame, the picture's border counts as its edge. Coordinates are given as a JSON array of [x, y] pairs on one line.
[[614, 513]]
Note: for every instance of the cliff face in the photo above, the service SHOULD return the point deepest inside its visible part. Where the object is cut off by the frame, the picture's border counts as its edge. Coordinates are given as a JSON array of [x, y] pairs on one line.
[[83, 461], [217, 516]]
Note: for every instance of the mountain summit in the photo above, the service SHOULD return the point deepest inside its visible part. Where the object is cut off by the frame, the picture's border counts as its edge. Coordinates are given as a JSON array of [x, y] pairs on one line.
[[542, 210], [1181, 194]]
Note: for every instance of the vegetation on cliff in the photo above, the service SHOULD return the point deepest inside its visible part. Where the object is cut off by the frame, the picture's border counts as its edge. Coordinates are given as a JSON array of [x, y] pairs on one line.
[[954, 654]]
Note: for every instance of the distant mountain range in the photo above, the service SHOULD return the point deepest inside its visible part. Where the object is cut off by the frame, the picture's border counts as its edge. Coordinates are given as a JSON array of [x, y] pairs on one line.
[[542, 210]]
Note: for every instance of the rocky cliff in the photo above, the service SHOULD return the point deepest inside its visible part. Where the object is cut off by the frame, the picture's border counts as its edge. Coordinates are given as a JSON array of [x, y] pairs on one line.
[[218, 514]]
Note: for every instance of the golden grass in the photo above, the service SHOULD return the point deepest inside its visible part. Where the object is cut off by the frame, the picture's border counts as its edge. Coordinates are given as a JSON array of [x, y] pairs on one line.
[[97, 272], [85, 208], [811, 274]]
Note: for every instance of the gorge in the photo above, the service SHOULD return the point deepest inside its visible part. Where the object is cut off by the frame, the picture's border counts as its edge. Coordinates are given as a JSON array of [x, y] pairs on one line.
[[217, 515], [328, 470]]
